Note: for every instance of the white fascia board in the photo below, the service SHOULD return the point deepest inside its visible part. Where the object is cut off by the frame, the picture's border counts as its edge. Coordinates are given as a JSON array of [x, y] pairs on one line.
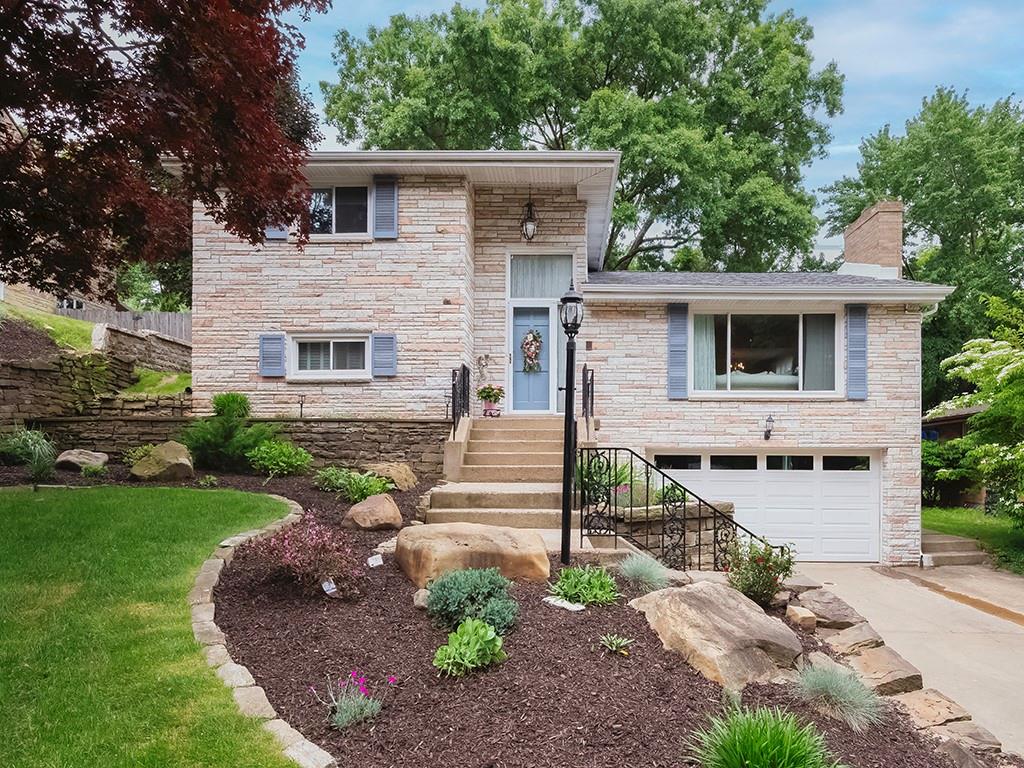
[[848, 294]]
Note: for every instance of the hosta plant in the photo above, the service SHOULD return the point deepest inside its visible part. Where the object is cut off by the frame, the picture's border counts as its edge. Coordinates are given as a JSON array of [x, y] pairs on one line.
[[585, 585], [474, 645]]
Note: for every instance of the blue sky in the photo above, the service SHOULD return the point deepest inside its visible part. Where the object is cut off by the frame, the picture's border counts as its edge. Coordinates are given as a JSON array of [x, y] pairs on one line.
[[893, 53]]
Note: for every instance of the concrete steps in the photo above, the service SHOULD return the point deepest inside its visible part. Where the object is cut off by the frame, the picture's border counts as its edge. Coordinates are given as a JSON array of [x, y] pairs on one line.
[[941, 549], [521, 473], [497, 436], [501, 458], [503, 423], [513, 518], [490, 495], [475, 446]]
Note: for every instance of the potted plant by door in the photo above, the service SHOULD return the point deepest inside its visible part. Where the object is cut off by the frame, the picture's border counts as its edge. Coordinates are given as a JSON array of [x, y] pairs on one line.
[[491, 397]]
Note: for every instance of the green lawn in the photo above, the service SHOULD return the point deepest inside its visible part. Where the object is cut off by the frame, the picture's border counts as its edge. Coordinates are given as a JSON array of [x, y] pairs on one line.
[[158, 382], [65, 331], [996, 534], [98, 666]]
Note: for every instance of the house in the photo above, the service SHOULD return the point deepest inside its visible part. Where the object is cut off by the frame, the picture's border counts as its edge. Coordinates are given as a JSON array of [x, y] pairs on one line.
[[795, 396]]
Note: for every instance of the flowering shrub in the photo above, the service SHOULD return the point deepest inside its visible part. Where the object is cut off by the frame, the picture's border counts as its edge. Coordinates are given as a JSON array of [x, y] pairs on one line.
[[473, 645], [489, 394], [758, 569], [309, 554], [350, 701]]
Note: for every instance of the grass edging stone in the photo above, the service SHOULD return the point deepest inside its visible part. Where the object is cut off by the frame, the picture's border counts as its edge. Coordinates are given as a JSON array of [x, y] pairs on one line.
[[250, 698]]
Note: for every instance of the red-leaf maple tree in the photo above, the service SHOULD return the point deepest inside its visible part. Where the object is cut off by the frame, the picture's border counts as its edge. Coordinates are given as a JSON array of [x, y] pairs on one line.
[[95, 94]]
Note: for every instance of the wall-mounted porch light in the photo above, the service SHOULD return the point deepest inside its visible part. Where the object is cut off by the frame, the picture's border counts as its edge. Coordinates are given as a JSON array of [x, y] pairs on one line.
[[528, 224], [769, 425]]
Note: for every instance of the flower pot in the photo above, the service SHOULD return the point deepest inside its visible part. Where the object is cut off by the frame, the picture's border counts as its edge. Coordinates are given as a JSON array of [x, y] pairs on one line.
[[491, 409]]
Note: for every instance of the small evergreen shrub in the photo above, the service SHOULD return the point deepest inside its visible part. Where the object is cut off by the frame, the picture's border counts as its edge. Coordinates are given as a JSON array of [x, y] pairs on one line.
[[351, 485], [587, 585], [766, 738], [208, 481], [644, 572], [839, 694], [232, 405], [94, 470], [224, 440], [757, 569], [473, 645], [133, 456], [309, 554], [474, 593], [22, 445], [278, 458]]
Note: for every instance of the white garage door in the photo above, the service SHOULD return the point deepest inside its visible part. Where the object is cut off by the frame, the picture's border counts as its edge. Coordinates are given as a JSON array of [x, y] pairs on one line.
[[827, 504]]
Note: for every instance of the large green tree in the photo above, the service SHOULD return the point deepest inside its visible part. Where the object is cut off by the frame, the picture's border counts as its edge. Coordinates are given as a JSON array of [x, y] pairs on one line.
[[715, 105], [960, 172]]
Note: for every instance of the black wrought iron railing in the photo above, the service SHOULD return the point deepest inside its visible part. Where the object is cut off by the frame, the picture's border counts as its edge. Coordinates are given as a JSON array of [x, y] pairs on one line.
[[587, 395], [460, 395], [620, 493]]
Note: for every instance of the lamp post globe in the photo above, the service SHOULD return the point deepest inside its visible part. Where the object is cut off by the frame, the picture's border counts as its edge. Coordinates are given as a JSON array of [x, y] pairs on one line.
[[570, 313]]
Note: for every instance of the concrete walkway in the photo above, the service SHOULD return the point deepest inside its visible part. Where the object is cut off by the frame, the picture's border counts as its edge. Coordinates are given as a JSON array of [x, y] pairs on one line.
[[970, 655]]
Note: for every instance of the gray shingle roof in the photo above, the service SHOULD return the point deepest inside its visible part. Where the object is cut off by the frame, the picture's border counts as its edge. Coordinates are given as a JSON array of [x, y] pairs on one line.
[[769, 280]]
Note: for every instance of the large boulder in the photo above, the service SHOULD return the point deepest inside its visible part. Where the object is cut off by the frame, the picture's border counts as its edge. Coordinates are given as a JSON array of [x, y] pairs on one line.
[[830, 611], [374, 514], [400, 474], [167, 461], [424, 552], [722, 634], [77, 458]]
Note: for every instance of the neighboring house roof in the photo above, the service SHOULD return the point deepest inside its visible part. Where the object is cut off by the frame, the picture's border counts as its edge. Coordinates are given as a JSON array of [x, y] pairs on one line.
[[593, 174], [825, 286], [956, 414]]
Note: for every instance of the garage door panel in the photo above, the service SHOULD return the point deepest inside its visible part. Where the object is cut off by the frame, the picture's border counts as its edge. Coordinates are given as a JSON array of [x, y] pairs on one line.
[[790, 514], [855, 548]]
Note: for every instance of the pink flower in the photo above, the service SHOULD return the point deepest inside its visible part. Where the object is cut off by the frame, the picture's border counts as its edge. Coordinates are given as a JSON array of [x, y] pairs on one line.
[[354, 674], [392, 680]]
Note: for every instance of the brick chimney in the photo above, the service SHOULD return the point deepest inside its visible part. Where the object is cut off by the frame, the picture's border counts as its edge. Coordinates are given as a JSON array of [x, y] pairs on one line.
[[873, 244]]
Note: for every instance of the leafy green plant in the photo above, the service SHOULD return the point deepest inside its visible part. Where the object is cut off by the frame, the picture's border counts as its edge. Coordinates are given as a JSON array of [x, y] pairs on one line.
[[587, 585], [279, 458], [473, 593], [133, 456], [19, 446], [42, 463], [596, 476], [224, 440], [616, 644], [945, 470], [490, 394], [208, 481], [94, 470], [839, 694], [474, 644], [353, 486], [644, 572], [766, 738], [757, 569]]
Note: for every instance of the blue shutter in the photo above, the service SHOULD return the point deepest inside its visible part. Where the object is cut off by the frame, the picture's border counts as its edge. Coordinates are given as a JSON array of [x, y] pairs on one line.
[[385, 207], [856, 352], [678, 336], [384, 354], [272, 354], [275, 233]]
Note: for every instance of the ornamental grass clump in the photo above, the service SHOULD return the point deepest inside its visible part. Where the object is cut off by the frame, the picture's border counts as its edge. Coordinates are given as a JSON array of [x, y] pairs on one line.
[[765, 738], [644, 572], [309, 554], [838, 693], [22, 446], [586, 586], [473, 593], [350, 701], [473, 645], [757, 569]]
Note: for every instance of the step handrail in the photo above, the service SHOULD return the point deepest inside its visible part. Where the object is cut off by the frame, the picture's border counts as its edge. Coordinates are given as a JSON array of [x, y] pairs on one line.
[[601, 483]]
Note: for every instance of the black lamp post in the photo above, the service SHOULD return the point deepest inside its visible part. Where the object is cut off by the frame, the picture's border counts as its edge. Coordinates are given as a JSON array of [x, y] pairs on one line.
[[570, 313]]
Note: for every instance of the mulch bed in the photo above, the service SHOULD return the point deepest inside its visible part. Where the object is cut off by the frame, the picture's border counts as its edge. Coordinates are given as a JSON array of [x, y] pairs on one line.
[[559, 700], [23, 342]]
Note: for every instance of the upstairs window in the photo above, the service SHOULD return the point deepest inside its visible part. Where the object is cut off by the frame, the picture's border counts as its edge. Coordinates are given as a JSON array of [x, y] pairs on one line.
[[764, 353], [339, 210]]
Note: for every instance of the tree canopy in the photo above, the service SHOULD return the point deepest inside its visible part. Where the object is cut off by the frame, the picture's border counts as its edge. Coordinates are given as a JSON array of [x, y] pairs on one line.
[[960, 172], [94, 95], [716, 107]]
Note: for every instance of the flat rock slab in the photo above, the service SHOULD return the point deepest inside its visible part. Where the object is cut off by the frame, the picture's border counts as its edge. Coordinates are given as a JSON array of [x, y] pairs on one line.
[[558, 602], [235, 675], [802, 617], [959, 754], [283, 733], [309, 755], [798, 584], [830, 610], [855, 639], [885, 671], [77, 458], [928, 708], [722, 634], [424, 552], [969, 734]]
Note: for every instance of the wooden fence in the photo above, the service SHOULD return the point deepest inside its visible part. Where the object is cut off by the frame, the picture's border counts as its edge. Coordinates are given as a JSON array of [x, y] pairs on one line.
[[177, 325]]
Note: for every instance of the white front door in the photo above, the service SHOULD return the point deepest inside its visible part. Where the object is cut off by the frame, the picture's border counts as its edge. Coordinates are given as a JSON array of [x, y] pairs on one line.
[[826, 504]]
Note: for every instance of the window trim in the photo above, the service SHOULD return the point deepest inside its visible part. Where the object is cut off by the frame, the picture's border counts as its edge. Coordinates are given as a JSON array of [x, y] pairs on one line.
[[837, 392], [336, 236], [292, 364]]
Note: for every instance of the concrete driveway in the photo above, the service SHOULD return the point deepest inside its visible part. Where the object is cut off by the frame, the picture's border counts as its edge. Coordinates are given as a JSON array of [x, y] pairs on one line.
[[974, 657]]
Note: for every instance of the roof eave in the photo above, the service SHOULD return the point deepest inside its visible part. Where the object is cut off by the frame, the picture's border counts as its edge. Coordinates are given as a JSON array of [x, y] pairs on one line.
[[866, 294]]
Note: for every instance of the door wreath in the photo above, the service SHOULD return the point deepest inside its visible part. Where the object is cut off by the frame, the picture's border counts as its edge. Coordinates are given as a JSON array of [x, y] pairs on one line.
[[530, 347]]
